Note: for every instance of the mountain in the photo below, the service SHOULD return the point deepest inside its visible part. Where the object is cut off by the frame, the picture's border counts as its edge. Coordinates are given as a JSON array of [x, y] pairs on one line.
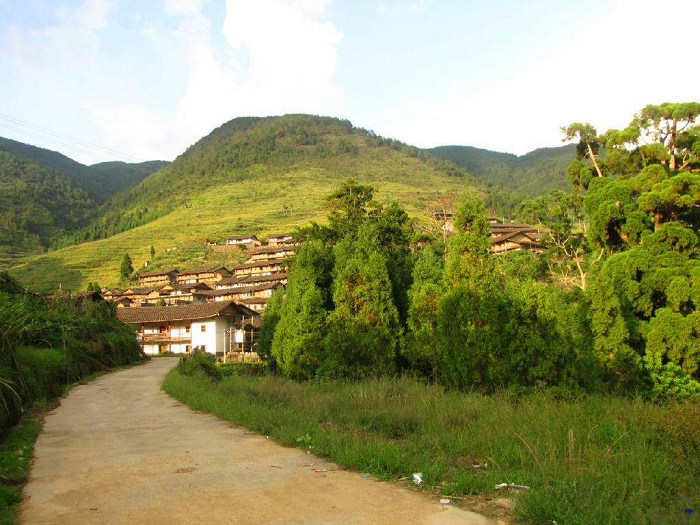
[[100, 181], [532, 174], [250, 175], [38, 206]]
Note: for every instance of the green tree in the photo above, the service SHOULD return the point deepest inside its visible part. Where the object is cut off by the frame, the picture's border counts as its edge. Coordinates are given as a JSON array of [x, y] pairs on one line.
[[364, 331], [153, 252], [126, 268], [298, 343], [588, 145], [425, 296], [348, 207], [644, 309], [471, 315], [269, 324], [561, 213]]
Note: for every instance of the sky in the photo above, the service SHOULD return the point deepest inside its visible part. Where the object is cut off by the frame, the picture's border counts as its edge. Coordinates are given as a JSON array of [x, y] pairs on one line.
[[138, 80]]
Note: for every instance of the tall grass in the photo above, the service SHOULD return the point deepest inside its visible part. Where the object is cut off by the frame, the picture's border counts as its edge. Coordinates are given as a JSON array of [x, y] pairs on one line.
[[596, 460]]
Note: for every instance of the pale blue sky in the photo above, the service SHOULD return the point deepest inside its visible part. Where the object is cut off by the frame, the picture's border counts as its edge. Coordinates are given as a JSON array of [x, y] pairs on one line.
[[136, 80]]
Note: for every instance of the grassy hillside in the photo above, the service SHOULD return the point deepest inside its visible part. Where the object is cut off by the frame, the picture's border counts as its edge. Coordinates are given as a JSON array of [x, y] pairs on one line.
[[249, 175], [534, 173], [37, 206], [100, 181]]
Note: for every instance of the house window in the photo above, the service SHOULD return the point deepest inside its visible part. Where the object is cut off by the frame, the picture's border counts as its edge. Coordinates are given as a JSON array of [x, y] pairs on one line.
[[187, 329], [204, 328]]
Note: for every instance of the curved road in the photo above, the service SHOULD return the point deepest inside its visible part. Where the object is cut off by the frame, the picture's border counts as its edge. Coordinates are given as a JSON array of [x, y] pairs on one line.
[[119, 450]]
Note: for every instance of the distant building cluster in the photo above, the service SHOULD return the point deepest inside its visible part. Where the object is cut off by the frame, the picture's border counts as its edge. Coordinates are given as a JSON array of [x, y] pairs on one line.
[[505, 237], [173, 310]]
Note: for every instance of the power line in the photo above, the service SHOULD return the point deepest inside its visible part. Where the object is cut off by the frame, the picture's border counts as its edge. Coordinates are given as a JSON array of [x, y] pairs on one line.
[[64, 141]]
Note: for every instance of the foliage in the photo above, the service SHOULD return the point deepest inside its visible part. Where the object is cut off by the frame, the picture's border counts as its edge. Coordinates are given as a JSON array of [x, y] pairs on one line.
[[425, 296], [364, 330], [37, 205], [298, 343], [507, 178], [126, 268], [47, 345]]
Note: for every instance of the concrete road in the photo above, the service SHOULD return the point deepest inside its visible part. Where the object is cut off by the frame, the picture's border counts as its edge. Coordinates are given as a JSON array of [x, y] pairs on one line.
[[119, 450]]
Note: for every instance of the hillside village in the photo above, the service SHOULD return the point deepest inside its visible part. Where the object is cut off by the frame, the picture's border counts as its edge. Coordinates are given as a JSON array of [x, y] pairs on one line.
[[218, 310]]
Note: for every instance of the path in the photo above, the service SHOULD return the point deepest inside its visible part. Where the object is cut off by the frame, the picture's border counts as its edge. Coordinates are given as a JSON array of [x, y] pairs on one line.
[[119, 450]]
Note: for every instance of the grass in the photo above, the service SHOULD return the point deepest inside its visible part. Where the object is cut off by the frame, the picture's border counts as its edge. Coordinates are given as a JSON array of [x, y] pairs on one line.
[[16, 450], [596, 460]]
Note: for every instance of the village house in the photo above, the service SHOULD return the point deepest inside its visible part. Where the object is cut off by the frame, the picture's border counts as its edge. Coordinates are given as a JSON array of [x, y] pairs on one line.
[[249, 241], [220, 328], [260, 291], [266, 253], [158, 278], [505, 237], [280, 239], [260, 268], [203, 275]]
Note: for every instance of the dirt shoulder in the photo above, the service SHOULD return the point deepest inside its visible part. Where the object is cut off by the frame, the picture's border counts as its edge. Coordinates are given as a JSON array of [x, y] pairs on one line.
[[119, 450]]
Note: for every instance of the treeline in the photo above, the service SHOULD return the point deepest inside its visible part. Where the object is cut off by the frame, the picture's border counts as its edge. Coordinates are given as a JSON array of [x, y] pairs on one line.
[[613, 308], [48, 344], [360, 302], [38, 205]]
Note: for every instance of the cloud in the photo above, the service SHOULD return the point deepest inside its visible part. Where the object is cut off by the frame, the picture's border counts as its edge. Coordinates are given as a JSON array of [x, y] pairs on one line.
[[71, 42], [279, 57], [603, 74]]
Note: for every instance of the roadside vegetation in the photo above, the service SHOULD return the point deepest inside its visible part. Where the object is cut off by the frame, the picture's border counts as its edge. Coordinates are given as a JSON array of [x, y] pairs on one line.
[[593, 459], [46, 345]]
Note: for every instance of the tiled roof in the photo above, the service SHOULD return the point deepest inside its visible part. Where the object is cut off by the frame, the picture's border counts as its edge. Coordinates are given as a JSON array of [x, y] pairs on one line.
[[259, 264], [155, 314], [275, 249], [158, 273], [280, 276], [217, 269]]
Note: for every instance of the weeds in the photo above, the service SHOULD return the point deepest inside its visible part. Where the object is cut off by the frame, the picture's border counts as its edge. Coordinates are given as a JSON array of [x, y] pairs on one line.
[[594, 460]]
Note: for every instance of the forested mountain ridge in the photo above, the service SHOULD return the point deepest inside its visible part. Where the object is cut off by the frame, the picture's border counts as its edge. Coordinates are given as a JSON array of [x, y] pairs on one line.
[[527, 175], [100, 181], [250, 175], [38, 205]]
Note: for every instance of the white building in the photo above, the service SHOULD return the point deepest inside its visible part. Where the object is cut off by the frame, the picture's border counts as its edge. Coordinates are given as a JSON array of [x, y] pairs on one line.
[[217, 328]]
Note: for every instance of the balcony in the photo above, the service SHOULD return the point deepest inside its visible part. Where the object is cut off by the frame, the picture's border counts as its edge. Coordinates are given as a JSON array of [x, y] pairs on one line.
[[163, 338]]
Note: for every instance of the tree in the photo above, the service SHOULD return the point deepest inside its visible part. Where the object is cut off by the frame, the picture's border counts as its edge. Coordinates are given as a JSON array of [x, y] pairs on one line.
[[298, 342], [153, 252], [348, 207], [559, 212], [425, 297], [588, 142], [126, 269], [673, 126], [470, 319], [364, 331], [644, 306]]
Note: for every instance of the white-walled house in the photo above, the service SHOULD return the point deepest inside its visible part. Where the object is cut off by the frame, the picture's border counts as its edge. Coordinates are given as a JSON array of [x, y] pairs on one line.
[[211, 327]]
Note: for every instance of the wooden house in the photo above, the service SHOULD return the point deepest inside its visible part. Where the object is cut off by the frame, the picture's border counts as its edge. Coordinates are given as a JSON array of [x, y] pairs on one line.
[[212, 327], [280, 239], [260, 268], [267, 253], [159, 278]]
